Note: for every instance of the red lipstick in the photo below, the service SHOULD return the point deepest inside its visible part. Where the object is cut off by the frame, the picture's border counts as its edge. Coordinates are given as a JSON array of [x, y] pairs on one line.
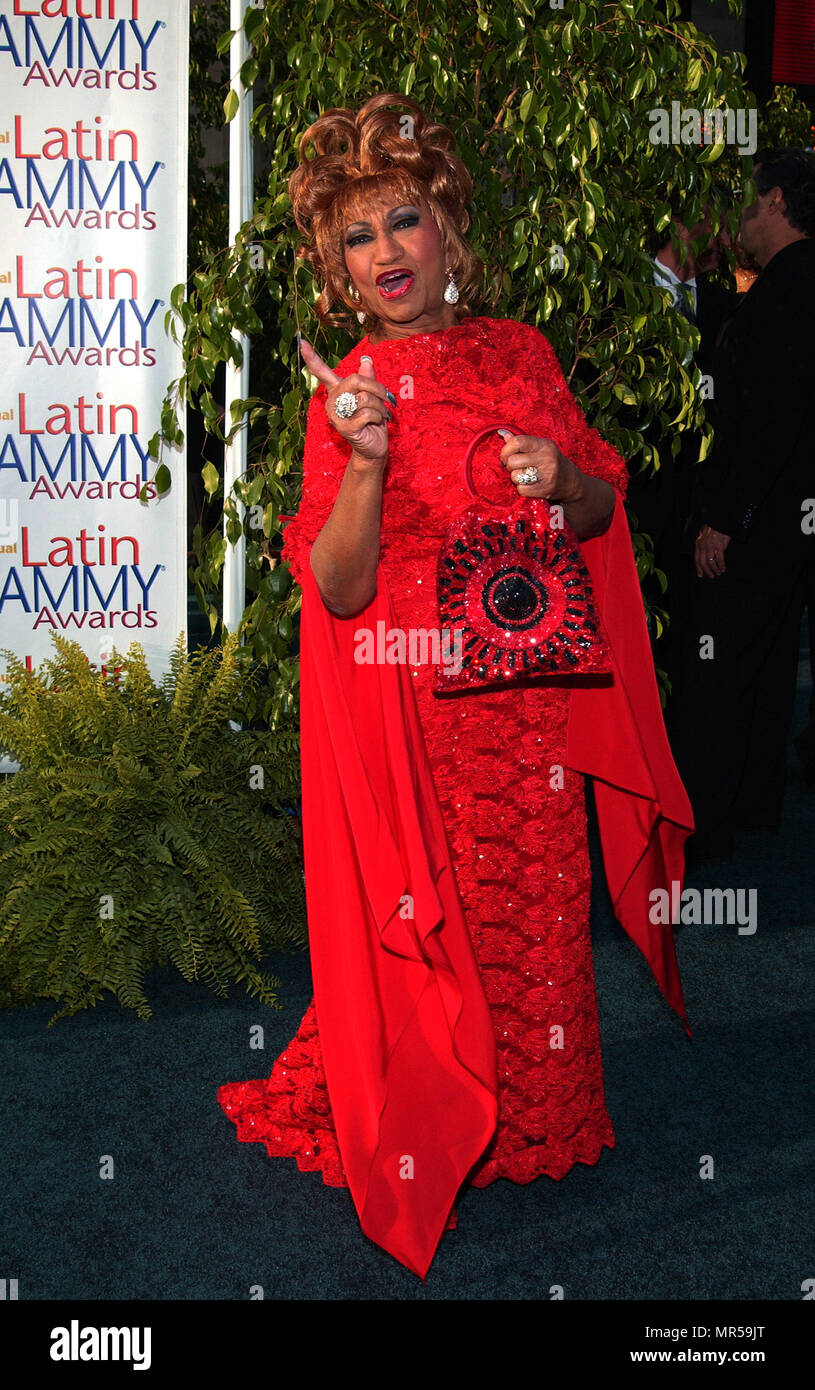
[[393, 284]]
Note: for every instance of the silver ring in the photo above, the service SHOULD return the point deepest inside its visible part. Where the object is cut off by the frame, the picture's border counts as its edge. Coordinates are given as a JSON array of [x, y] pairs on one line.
[[346, 405], [526, 475]]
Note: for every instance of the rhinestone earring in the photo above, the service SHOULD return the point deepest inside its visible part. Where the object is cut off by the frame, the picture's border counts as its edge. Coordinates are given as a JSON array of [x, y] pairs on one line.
[[353, 293], [451, 292]]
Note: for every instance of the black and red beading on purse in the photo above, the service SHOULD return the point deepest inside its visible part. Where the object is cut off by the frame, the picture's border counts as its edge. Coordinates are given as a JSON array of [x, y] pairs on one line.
[[514, 594]]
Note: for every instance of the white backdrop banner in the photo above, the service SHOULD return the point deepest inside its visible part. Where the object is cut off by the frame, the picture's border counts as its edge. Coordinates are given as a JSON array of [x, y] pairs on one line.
[[93, 234]]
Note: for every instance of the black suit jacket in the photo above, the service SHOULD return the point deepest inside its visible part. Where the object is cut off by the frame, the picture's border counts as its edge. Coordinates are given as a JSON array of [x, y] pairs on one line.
[[661, 501], [714, 304], [762, 464]]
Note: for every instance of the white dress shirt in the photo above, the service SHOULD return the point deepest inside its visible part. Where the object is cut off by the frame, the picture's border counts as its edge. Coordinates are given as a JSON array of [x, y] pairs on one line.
[[665, 278]]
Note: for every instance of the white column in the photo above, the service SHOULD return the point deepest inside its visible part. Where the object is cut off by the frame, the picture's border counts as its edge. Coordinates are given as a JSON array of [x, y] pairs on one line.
[[237, 378]]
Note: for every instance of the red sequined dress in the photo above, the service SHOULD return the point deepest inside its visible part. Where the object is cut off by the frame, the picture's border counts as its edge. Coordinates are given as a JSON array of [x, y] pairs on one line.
[[514, 812]]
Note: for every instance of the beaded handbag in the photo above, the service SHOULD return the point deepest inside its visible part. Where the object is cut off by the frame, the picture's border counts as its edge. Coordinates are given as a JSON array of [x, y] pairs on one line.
[[514, 595]]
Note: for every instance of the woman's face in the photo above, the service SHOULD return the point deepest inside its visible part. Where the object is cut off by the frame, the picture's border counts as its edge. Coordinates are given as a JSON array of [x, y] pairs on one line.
[[394, 258]]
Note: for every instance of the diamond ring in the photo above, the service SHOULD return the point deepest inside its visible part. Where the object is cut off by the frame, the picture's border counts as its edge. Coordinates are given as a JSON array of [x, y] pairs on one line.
[[526, 475], [345, 405]]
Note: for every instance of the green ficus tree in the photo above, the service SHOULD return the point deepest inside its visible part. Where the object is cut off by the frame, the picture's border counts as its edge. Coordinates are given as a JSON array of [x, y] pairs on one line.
[[786, 120], [208, 183], [553, 107]]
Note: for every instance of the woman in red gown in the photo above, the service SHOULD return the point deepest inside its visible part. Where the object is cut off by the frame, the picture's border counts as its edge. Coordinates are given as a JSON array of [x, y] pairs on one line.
[[447, 866]]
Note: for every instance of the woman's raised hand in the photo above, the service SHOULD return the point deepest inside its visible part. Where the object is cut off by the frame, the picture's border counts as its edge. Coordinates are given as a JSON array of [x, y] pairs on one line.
[[367, 429], [557, 478]]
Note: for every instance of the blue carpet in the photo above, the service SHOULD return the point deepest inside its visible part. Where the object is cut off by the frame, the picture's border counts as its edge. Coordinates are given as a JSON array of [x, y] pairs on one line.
[[191, 1214]]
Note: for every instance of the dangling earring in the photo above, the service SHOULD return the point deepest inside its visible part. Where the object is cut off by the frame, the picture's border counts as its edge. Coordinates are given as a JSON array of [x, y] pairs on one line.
[[353, 293], [451, 292]]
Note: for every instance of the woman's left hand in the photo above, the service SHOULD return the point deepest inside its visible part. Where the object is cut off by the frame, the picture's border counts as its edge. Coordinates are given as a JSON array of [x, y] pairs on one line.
[[558, 479]]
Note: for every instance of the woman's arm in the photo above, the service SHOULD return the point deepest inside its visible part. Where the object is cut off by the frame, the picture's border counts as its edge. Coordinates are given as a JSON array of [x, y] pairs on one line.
[[588, 505], [345, 555]]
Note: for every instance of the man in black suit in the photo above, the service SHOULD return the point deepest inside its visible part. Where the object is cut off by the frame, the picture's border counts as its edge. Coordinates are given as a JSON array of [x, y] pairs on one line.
[[661, 501], [734, 705]]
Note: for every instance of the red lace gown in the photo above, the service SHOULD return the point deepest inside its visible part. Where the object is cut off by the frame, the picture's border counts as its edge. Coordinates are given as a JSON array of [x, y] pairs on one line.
[[514, 812]]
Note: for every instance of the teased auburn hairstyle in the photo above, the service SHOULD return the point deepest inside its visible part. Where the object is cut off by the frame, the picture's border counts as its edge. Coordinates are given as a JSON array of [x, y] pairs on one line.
[[389, 148]]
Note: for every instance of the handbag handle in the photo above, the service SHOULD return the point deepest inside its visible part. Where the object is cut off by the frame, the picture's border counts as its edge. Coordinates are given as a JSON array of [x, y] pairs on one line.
[[473, 445]]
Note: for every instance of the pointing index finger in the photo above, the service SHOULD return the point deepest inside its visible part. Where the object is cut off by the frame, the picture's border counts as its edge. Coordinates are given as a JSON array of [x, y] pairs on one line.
[[316, 365]]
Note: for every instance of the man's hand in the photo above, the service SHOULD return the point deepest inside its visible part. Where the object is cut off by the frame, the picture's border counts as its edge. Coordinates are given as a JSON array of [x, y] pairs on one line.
[[709, 553]]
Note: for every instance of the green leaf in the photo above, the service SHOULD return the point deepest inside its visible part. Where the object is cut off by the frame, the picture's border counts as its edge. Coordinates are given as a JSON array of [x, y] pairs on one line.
[[163, 478], [277, 584], [634, 84], [211, 477], [586, 218], [231, 104], [596, 194], [693, 76], [712, 153], [269, 520], [248, 74], [253, 23]]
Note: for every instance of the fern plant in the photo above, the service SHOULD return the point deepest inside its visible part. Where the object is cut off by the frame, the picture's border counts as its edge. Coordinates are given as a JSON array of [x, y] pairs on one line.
[[142, 829]]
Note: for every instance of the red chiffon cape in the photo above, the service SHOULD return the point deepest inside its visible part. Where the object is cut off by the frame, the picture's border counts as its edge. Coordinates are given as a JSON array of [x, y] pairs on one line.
[[405, 1030]]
